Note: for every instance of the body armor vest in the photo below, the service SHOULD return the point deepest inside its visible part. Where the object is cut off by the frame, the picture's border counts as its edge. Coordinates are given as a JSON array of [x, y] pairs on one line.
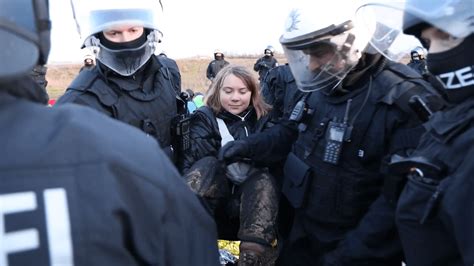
[[341, 193], [150, 105]]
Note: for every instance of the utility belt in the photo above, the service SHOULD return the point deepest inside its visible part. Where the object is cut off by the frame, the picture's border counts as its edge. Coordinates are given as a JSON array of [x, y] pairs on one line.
[[417, 168]]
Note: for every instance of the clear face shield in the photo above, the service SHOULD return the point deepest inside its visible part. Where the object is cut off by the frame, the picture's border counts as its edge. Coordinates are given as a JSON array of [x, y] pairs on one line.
[[388, 38], [323, 62], [95, 17], [452, 16], [125, 62]]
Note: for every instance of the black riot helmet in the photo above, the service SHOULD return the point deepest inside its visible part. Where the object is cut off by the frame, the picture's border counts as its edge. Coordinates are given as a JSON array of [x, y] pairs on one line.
[[25, 36]]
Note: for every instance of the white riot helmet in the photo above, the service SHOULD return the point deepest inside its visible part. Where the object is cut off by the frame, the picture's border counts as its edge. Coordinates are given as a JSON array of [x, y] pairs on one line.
[[93, 17], [455, 17], [322, 43], [418, 53], [269, 50]]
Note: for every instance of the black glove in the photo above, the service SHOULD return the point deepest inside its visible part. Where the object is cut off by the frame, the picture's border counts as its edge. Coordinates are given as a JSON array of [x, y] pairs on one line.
[[233, 151]]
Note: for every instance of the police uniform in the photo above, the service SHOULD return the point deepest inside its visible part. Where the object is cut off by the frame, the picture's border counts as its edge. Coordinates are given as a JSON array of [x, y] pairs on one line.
[[76, 187], [419, 66], [70, 194], [263, 65], [341, 216], [147, 100], [280, 91], [434, 218], [214, 67]]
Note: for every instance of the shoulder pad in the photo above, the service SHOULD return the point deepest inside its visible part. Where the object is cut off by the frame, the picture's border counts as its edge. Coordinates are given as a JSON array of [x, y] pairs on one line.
[[403, 70], [398, 83], [167, 62], [170, 70], [84, 80], [89, 81]]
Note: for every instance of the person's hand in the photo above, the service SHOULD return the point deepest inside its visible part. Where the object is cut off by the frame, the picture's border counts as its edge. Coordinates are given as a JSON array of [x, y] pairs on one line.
[[234, 151]]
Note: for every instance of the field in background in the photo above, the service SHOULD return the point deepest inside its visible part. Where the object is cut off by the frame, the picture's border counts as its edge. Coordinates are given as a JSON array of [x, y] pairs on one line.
[[193, 73]]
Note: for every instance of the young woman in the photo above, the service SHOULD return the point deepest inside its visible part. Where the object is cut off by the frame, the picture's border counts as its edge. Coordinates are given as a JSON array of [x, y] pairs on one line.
[[242, 198]]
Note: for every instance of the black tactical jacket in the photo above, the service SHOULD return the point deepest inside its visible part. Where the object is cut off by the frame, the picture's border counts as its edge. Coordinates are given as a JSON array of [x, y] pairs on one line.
[[84, 189], [214, 67], [280, 91], [437, 208], [146, 100], [264, 64], [337, 206]]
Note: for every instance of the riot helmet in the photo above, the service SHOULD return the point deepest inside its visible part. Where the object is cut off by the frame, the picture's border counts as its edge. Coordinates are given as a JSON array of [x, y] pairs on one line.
[[322, 49], [89, 60], [95, 17], [446, 28], [269, 51], [412, 16], [417, 54], [218, 55], [25, 36]]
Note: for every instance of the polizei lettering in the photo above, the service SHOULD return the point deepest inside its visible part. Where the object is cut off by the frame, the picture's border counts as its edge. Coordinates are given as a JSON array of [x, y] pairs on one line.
[[457, 79], [56, 215]]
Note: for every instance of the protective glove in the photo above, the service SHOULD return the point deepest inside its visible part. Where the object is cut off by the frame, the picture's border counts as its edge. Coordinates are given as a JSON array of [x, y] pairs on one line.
[[233, 151]]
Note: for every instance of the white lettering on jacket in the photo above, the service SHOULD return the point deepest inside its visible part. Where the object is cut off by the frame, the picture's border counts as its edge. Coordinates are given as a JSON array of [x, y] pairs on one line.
[[57, 226], [457, 79]]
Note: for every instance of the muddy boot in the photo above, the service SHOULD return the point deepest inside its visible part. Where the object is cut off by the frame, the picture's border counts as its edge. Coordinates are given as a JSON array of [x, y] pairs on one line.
[[254, 254]]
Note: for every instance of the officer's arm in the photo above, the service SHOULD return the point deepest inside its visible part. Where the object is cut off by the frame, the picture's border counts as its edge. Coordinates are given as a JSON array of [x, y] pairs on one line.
[[256, 66], [209, 72], [270, 146]]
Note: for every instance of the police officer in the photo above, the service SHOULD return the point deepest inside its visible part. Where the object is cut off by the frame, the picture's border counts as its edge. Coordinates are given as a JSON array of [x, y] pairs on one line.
[[129, 83], [89, 62], [354, 116], [216, 65], [69, 193], [265, 63], [435, 211], [418, 61], [280, 91]]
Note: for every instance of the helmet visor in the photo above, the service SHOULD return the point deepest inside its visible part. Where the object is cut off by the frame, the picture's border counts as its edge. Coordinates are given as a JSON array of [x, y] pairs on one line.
[[388, 38], [393, 17], [125, 61], [323, 64]]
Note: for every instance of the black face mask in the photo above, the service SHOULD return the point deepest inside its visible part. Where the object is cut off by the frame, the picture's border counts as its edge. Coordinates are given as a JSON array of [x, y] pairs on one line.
[[123, 45], [455, 68]]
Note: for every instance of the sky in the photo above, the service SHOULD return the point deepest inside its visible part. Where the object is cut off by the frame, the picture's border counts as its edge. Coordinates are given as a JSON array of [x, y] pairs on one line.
[[191, 28]]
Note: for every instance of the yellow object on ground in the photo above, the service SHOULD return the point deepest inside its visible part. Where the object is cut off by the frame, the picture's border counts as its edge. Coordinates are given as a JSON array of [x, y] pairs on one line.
[[231, 246]]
